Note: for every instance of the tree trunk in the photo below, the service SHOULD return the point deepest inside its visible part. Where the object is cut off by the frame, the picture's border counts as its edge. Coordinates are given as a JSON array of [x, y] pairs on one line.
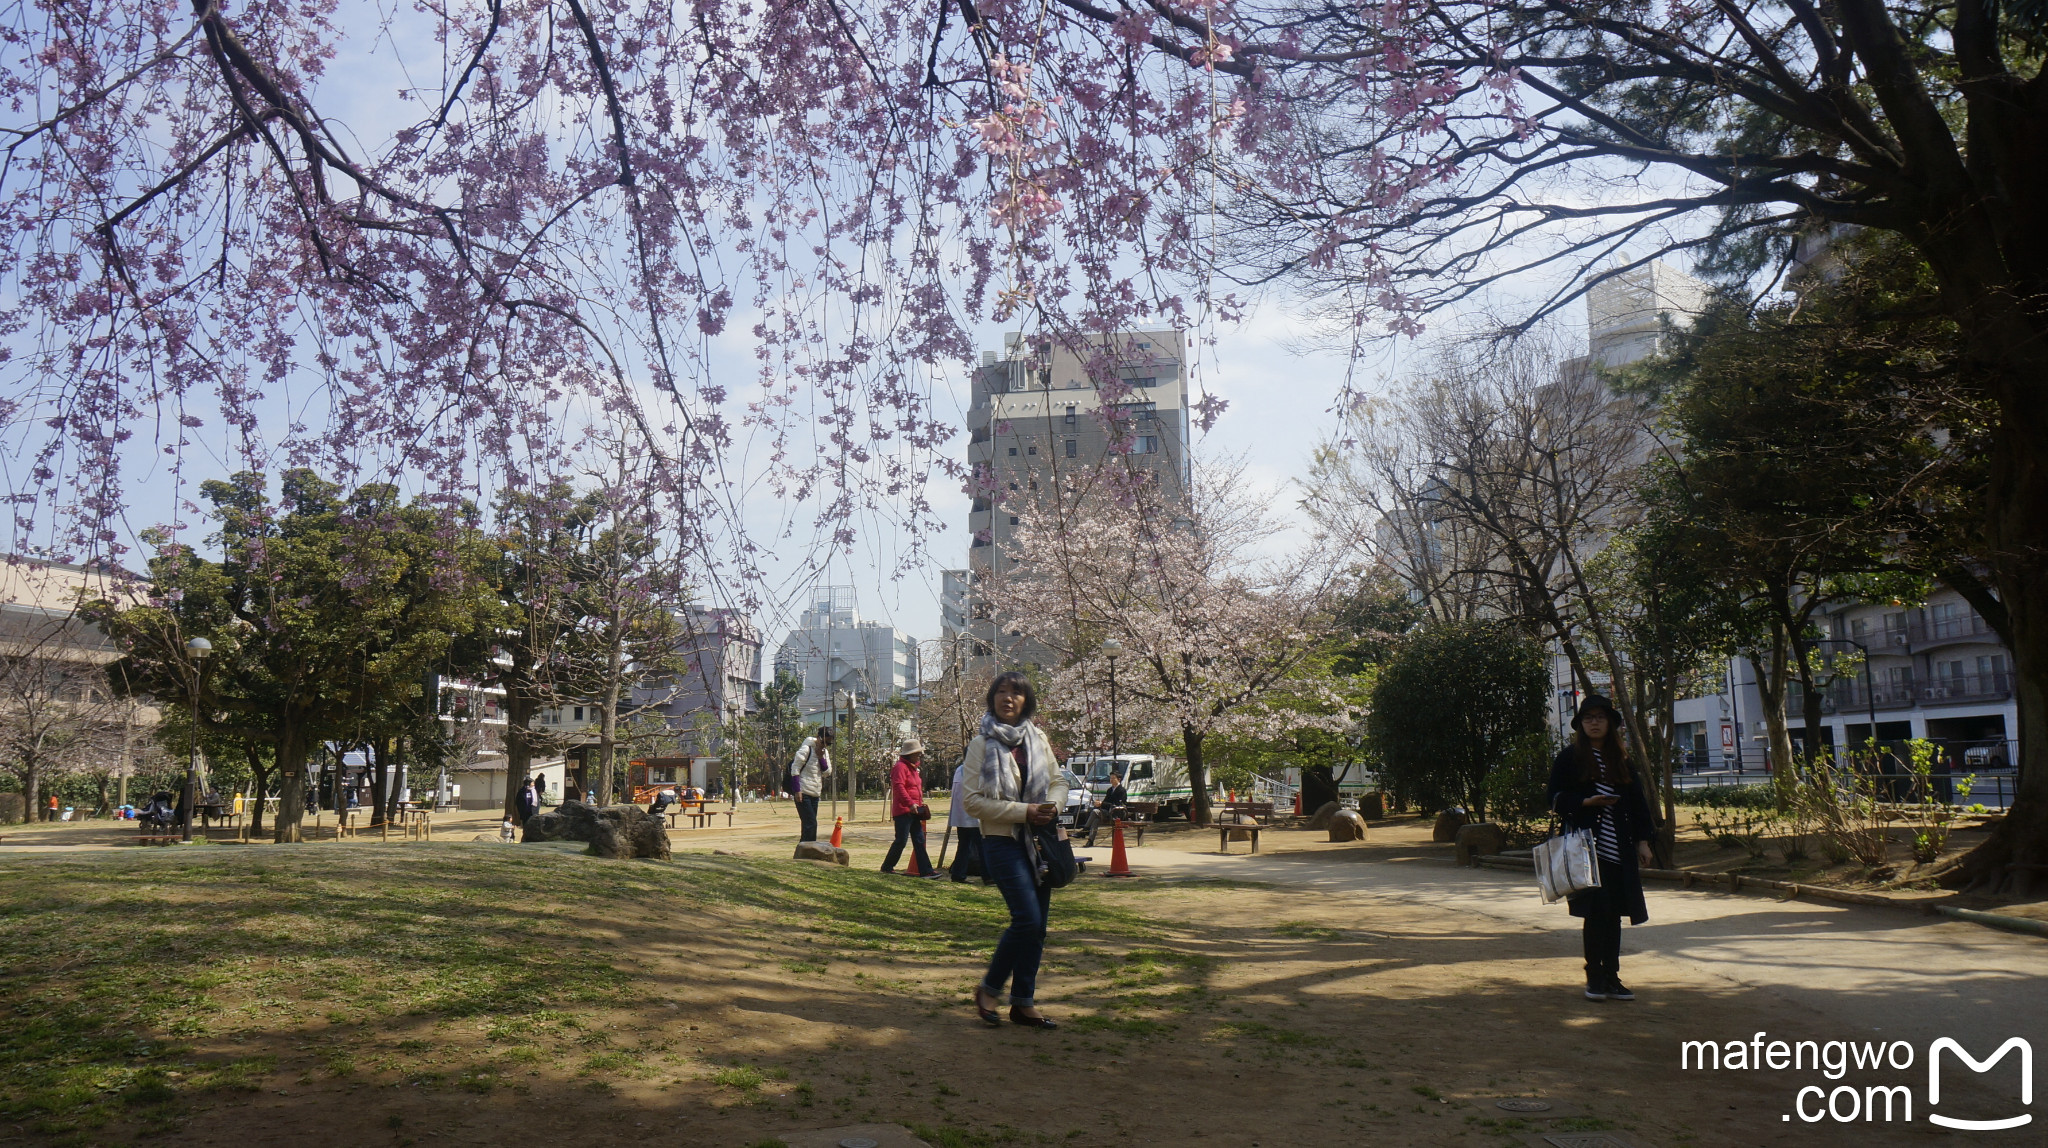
[[1770, 687], [380, 751], [394, 786], [1318, 787], [1198, 775], [291, 773], [31, 792], [2014, 859], [521, 705], [260, 781]]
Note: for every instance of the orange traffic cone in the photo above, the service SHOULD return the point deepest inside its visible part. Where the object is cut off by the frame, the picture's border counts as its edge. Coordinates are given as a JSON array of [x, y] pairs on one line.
[[1119, 864], [838, 830], [910, 863], [1297, 803]]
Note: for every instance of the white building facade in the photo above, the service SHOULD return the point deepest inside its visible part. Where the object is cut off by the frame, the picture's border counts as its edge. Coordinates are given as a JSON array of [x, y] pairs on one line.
[[835, 654]]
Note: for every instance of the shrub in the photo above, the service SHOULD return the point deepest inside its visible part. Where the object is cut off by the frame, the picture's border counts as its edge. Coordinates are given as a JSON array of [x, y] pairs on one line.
[[1454, 702]]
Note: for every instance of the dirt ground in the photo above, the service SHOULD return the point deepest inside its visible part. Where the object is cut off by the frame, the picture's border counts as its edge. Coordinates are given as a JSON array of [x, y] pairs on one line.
[[1194, 1012]]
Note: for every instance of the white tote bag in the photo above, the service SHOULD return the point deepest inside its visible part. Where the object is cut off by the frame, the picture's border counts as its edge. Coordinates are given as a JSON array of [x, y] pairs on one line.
[[1565, 864]]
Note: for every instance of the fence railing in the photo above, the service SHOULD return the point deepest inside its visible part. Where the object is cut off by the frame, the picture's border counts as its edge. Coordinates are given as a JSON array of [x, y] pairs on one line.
[[1992, 786]]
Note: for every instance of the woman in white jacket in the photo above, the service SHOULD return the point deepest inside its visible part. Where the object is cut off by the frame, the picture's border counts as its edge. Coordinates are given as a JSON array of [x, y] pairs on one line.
[[1012, 784], [809, 769]]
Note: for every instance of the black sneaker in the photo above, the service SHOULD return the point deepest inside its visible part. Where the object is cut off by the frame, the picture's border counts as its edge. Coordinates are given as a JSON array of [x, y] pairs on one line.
[[1595, 991], [1616, 991]]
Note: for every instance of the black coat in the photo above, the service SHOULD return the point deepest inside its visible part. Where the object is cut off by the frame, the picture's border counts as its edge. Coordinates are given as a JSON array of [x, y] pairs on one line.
[[1621, 886]]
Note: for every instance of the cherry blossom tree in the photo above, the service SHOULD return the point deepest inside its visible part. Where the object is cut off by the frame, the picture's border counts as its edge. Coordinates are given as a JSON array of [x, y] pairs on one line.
[[565, 207], [1215, 640]]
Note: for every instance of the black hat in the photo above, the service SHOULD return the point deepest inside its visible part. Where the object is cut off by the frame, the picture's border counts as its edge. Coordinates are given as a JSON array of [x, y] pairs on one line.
[[1596, 702]]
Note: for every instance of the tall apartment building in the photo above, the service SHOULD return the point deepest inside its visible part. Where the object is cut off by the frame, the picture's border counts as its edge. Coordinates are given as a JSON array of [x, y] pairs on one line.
[[719, 679], [833, 652], [1037, 418]]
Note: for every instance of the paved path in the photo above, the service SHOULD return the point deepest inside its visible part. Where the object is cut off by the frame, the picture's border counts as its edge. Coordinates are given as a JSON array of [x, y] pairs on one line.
[[1869, 970]]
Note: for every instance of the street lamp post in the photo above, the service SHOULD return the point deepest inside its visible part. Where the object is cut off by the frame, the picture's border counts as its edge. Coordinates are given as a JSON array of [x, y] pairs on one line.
[[196, 650], [1113, 649]]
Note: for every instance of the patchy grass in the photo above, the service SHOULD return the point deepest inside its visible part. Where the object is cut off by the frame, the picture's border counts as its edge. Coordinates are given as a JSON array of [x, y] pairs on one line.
[[120, 968], [1308, 931]]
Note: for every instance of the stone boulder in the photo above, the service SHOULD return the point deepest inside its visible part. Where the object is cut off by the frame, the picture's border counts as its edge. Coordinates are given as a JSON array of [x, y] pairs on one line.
[[616, 831], [1372, 806], [1320, 819], [822, 851], [1347, 825], [1447, 825], [1479, 839]]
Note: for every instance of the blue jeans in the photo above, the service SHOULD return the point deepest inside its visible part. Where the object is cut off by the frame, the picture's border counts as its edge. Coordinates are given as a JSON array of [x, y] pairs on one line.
[[807, 818], [1022, 945], [910, 828]]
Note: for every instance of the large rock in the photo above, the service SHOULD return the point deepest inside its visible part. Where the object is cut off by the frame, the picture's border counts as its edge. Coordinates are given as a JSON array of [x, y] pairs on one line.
[[822, 851], [1347, 825], [616, 831], [1373, 806], [1447, 825], [1320, 819], [1479, 839]]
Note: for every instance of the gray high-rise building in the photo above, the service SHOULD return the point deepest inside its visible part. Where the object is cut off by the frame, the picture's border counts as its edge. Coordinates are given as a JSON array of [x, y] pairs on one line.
[[1037, 427]]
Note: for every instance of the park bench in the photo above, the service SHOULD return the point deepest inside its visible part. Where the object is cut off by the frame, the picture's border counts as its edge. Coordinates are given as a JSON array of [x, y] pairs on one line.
[[1248, 829], [1239, 812], [1243, 819]]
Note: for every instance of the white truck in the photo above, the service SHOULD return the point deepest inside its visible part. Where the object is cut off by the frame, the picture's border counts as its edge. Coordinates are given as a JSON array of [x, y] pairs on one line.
[[1160, 780]]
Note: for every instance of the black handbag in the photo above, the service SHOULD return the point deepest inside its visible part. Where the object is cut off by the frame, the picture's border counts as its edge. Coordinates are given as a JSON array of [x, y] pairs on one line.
[[1055, 856]]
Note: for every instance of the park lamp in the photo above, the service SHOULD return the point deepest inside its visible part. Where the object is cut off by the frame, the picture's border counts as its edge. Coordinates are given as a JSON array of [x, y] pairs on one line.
[[1112, 648], [196, 649]]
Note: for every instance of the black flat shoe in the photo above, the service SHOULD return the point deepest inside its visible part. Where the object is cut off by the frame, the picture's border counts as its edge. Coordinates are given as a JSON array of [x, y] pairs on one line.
[[988, 1015], [1031, 1021]]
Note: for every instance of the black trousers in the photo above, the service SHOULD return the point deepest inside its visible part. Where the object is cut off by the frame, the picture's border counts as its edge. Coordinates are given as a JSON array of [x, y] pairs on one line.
[[807, 817], [909, 828], [967, 859], [1603, 945]]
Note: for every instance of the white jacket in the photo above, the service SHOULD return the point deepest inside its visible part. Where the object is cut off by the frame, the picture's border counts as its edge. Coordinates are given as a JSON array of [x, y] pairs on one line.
[[999, 817], [811, 765], [956, 816]]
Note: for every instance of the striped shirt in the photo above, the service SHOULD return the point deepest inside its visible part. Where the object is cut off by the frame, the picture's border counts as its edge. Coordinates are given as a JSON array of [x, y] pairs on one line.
[[1606, 833]]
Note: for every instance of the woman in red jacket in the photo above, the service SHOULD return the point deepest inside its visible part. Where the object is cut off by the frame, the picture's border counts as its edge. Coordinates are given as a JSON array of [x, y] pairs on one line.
[[907, 809]]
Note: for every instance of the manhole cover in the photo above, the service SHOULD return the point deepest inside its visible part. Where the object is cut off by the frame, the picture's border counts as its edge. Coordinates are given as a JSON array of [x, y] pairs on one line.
[[1522, 1104], [858, 1142], [1585, 1140]]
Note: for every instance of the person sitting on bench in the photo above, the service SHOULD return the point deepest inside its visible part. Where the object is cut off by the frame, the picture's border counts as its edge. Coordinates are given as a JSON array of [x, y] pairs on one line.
[[1109, 808]]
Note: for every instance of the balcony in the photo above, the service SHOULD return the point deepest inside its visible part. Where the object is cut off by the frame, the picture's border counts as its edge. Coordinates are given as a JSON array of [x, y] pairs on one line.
[[1851, 697], [1967, 628], [1963, 688]]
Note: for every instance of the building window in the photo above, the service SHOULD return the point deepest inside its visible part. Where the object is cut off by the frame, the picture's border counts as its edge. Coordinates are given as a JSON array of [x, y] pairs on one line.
[[579, 713], [1073, 447], [1028, 450], [1013, 520], [1013, 452], [1070, 414], [1147, 444]]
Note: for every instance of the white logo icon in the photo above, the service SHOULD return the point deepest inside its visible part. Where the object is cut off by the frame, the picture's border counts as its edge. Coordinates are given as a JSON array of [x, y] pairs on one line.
[[2026, 1082]]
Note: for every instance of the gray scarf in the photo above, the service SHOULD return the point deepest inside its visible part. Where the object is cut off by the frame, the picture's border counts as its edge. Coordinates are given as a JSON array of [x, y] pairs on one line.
[[998, 778]]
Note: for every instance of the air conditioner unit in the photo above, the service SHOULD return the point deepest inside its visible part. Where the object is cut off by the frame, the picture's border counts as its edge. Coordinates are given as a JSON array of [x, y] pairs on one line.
[[1898, 639], [1936, 691]]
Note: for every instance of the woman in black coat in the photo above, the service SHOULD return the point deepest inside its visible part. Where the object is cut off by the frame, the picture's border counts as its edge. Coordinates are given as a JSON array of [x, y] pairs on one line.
[[1593, 787]]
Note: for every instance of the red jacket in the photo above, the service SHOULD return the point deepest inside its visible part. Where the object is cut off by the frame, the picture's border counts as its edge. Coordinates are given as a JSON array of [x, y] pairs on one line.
[[906, 788]]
